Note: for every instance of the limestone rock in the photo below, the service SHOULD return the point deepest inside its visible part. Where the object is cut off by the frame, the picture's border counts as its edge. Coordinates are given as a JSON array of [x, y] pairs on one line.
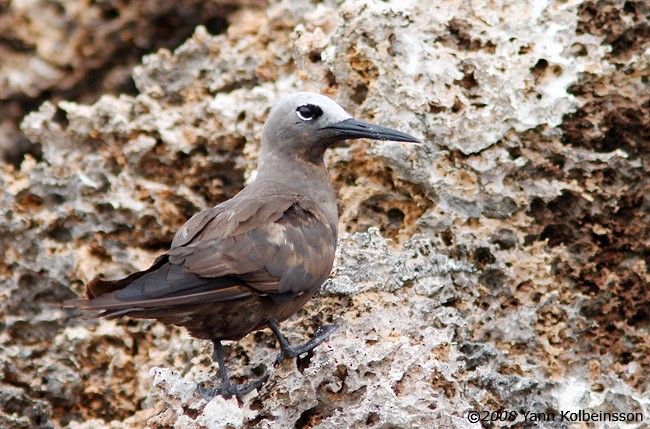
[[501, 265]]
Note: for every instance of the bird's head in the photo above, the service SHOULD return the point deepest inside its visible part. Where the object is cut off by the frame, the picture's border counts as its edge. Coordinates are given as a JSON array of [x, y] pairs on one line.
[[305, 124]]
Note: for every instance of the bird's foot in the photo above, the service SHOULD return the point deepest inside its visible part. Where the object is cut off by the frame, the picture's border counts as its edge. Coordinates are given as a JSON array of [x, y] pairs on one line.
[[229, 389], [289, 352]]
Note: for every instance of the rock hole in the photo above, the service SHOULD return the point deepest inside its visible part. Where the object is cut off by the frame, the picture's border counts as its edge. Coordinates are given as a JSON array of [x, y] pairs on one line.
[[360, 94], [447, 237], [504, 239], [309, 418], [330, 78], [493, 279], [314, 57], [458, 106], [59, 232], [525, 50], [579, 50], [395, 217], [468, 81], [557, 234], [303, 361], [641, 317], [216, 25], [435, 108], [483, 257], [539, 68], [630, 7], [61, 117], [373, 418], [110, 13]]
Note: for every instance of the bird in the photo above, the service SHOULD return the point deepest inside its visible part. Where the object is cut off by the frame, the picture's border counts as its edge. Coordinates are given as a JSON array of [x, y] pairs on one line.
[[254, 260]]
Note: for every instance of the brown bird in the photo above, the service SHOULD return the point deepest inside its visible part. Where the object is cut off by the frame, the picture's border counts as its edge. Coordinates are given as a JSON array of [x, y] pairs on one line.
[[254, 260]]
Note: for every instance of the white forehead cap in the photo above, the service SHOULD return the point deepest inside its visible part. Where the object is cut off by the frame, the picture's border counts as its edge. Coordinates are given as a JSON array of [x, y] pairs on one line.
[[332, 112]]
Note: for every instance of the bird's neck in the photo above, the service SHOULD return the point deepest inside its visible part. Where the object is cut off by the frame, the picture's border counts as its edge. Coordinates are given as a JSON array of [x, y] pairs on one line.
[[300, 177]]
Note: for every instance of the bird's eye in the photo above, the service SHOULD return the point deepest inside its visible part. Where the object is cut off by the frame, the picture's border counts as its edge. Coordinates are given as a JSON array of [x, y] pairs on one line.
[[308, 112]]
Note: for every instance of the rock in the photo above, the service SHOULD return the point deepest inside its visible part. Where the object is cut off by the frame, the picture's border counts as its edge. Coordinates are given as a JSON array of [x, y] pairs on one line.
[[75, 50], [499, 266]]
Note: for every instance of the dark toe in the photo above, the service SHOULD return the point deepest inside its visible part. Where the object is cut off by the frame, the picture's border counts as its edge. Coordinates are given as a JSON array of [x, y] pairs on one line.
[[322, 333], [326, 330], [229, 390], [209, 394], [240, 390]]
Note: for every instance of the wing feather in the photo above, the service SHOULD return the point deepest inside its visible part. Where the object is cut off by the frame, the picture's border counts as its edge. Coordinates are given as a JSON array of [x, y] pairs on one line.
[[240, 248]]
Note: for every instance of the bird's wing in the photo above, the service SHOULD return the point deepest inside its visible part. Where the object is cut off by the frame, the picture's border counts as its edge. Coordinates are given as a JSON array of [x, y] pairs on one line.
[[288, 247], [232, 217], [273, 245]]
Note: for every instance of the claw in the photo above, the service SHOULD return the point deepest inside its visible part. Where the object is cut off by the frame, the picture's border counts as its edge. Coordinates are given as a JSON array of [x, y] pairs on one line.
[[288, 352], [228, 390]]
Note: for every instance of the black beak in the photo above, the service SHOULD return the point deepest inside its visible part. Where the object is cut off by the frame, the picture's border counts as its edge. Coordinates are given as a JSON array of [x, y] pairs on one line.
[[353, 129]]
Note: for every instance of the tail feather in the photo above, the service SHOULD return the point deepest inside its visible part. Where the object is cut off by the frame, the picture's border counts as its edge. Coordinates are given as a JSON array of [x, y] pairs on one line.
[[163, 285], [98, 287]]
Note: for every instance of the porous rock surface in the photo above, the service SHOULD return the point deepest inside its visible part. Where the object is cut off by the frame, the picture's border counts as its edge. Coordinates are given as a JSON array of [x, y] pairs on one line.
[[501, 265], [78, 50]]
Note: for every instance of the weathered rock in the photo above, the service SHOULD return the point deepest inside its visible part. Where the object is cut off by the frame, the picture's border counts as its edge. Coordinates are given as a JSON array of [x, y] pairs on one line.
[[78, 50], [502, 265]]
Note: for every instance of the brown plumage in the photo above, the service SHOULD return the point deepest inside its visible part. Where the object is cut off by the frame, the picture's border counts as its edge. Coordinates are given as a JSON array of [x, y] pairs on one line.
[[265, 255], [254, 260]]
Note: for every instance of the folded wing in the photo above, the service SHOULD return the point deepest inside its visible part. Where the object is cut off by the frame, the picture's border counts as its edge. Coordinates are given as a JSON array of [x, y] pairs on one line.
[[271, 246]]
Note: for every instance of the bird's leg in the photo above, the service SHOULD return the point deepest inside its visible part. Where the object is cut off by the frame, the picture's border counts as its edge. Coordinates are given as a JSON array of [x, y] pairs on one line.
[[228, 389], [287, 351]]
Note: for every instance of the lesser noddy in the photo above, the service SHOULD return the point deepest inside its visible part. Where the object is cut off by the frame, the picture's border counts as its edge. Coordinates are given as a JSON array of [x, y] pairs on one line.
[[254, 260]]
